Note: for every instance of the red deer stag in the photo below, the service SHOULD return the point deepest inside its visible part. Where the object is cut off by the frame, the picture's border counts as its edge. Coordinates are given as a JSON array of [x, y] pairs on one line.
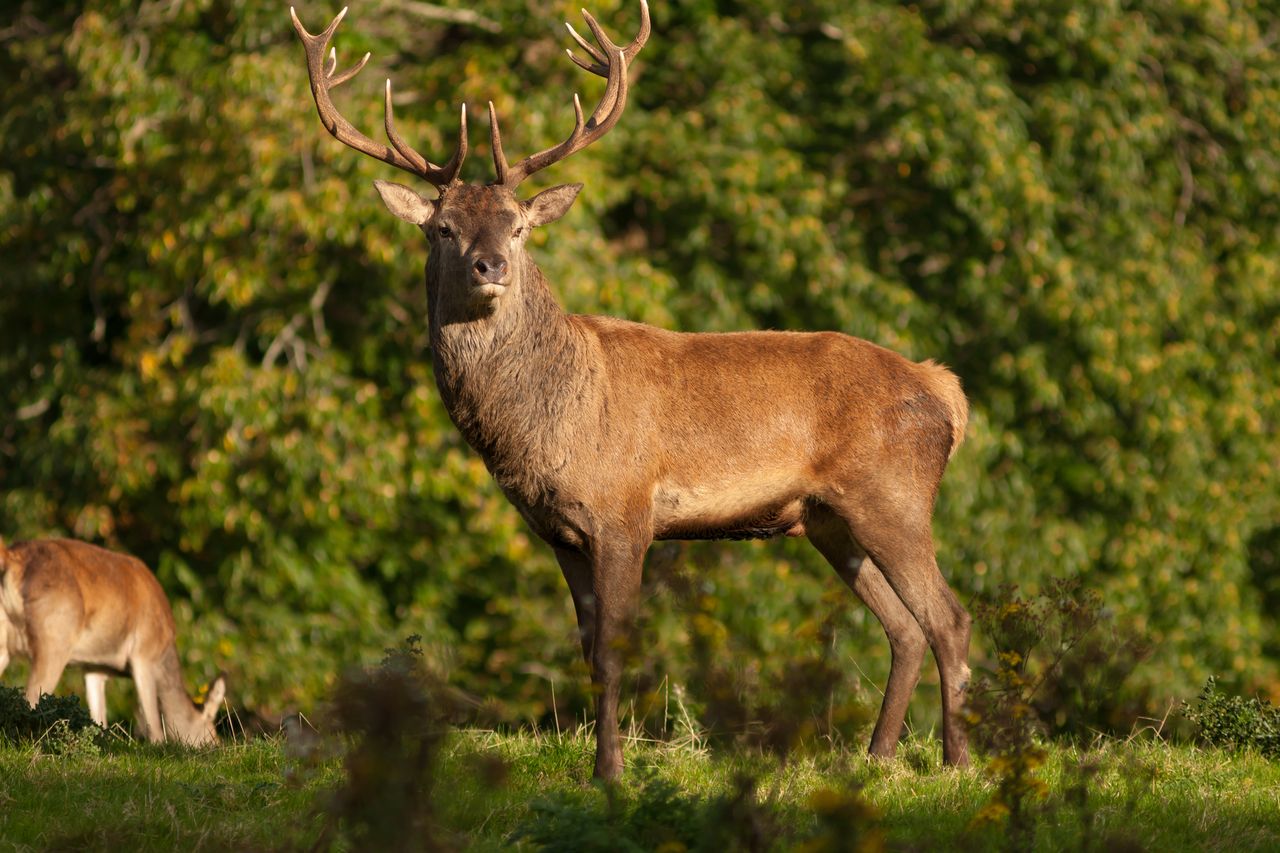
[[66, 602], [607, 435]]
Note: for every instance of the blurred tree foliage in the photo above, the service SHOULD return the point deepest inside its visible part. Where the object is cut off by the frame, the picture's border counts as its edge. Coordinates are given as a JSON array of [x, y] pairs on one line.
[[212, 337]]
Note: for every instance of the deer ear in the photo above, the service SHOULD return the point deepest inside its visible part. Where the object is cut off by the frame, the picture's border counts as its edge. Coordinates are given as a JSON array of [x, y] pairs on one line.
[[550, 205], [213, 699], [404, 202]]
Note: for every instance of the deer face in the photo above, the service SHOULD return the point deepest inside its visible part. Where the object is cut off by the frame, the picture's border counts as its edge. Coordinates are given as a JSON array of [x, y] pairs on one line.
[[195, 727], [477, 233]]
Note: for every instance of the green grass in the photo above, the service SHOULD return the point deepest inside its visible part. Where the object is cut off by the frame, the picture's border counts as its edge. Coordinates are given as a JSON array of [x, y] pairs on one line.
[[144, 797], [493, 790]]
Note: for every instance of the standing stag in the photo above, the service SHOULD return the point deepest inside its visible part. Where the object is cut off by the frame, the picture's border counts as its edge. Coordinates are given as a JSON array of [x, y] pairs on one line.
[[64, 602], [607, 435]]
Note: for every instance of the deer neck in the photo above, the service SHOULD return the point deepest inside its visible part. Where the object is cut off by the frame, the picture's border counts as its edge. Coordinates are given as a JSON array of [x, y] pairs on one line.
[[182, 719], [514, 379]]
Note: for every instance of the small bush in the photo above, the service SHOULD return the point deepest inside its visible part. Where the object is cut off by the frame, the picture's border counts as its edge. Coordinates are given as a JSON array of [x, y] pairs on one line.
[[59, 723], [1071, 656], [1060, 662], [396, 717], [1234, 722]]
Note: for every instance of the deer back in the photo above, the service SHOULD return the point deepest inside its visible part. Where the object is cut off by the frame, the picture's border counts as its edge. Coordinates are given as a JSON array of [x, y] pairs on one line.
[[102, 606]]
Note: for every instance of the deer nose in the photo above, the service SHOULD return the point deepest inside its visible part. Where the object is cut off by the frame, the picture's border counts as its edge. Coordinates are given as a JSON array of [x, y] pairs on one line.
[[491, 268]]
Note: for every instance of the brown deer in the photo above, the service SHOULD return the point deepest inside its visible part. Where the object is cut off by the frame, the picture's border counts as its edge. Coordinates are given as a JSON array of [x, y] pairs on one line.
[[607, 435], [67, 602]]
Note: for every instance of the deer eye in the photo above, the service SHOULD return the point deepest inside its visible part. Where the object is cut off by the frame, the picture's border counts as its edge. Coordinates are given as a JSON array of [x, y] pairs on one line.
[[518, 233], [445, 231]]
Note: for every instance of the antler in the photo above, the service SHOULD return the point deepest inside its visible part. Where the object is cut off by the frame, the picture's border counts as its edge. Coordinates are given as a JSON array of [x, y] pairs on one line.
[[399, 154], [611, 62]]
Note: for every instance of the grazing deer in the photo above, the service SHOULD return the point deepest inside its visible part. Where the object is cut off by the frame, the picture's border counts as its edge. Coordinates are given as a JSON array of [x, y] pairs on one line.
[[607, 435], [67, 602]]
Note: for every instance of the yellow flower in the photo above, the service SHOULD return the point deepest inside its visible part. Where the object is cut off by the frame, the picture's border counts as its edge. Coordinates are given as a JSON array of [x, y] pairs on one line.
[[1010, 659], [992, 813], [827, 800]]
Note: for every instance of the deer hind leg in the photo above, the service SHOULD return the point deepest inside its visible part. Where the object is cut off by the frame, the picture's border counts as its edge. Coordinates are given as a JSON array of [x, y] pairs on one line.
[[144, 682], [831, 536], [95, 692], [615, 583], [47, 665], [900, 542], [51, 629]]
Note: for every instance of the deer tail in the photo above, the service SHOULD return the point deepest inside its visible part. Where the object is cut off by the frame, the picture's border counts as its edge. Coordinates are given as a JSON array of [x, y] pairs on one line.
[[945, 385]]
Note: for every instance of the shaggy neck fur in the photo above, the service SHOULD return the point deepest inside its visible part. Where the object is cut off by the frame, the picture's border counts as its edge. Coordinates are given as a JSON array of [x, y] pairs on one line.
[[514, 377]]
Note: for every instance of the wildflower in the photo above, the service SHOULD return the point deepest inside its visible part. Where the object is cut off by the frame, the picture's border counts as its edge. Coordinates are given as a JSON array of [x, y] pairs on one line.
[[992, 813]]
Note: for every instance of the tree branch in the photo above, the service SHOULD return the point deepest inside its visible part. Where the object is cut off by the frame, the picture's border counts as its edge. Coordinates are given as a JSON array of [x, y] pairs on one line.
[[432, 12]]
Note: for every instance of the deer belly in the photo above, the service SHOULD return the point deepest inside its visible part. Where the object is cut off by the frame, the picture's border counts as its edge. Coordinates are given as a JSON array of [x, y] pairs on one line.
[[106, 646], [758, 510], [111, 659]]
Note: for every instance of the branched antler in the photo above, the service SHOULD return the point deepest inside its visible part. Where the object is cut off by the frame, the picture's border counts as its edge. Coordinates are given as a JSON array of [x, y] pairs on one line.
[[610, 62], [399, 154]]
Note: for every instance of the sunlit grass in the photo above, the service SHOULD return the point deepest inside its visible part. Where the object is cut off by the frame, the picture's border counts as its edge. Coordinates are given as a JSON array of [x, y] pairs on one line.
[[1159, 796], [144, 797], [256, 795]]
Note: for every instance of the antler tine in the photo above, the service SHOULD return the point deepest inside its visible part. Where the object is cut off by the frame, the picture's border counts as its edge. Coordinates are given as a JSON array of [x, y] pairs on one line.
[[419, 162], [334, 82], [495, 142], [399, 154], [601, 65], [505, 175], [612, 62]]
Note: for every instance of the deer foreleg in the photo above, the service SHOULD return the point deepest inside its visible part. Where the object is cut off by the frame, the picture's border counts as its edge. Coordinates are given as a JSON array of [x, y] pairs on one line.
[[144, 682], [577, 572], [95, 693], [615, 583]]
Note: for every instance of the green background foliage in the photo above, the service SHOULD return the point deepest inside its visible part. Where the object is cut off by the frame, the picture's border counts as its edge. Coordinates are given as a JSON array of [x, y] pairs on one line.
[[213, 338]]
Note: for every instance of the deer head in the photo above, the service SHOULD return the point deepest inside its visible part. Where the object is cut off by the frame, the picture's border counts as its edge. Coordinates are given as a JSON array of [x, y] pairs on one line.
[[477, 233], [194, 724]]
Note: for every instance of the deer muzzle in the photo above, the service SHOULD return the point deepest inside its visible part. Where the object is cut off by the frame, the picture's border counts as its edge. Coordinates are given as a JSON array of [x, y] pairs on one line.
[[490, 269]]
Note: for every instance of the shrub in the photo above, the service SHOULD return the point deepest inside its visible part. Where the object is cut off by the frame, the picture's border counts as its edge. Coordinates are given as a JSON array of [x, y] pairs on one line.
[[1234, 722], [396, 717], [1051, 650], [58, 723]]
